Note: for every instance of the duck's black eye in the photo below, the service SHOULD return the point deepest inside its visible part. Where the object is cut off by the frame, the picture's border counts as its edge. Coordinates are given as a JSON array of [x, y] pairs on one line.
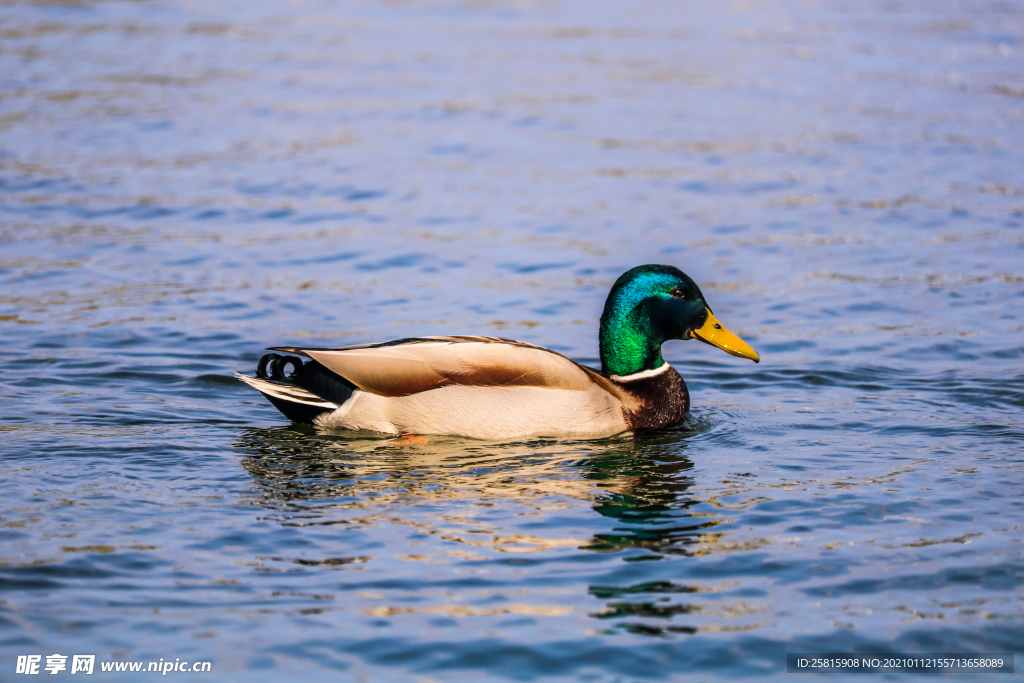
[[677, 293]]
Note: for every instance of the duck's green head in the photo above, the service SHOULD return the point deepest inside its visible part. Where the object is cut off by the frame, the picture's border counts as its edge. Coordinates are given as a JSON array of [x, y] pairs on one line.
[[649, 305]]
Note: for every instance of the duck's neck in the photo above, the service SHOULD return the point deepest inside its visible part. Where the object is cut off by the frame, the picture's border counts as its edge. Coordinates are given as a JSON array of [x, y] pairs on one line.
[[629, 342]]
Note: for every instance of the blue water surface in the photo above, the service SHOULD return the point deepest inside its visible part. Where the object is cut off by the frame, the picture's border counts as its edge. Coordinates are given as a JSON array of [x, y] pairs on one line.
[[185, 183]]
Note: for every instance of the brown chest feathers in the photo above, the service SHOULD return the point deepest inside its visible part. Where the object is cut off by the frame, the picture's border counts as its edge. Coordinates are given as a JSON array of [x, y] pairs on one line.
[[661, 400]]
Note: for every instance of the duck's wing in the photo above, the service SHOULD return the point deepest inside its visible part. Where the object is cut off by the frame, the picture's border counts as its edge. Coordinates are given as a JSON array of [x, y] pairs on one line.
[[409, 366]]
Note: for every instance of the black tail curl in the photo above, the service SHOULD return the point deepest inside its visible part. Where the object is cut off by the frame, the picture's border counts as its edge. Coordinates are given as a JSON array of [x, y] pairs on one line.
[[274, 366], [309, 375]]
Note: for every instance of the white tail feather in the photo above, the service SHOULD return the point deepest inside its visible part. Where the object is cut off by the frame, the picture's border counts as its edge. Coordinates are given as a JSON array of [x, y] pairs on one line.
[[286, 392]]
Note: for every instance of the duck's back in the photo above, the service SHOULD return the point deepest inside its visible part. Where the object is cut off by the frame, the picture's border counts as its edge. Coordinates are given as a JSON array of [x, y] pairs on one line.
[[481, 387]]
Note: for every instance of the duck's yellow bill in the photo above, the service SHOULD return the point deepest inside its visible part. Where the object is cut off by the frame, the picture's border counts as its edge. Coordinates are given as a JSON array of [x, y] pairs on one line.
[[714, 333]]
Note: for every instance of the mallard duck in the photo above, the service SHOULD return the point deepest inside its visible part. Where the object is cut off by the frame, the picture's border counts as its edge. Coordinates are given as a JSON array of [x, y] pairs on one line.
[[491, 388]]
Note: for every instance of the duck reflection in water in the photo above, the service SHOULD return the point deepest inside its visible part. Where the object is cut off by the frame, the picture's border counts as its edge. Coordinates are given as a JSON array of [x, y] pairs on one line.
[[310, 476]]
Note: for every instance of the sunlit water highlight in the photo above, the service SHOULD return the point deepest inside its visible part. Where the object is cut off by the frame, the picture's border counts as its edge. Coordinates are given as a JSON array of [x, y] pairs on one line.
[[183, 184]]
